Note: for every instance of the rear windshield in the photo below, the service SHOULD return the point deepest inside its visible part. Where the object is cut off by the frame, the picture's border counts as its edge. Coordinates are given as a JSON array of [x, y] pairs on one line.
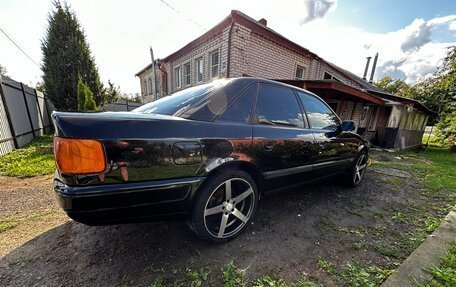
[[178, 102]]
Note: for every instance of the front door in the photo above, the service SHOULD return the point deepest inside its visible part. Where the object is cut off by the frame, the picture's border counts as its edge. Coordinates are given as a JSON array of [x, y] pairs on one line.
[[283, 147], [334, 150]]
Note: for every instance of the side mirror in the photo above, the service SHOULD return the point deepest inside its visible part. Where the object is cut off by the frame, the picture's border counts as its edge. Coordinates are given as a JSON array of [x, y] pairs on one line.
[[348, 126]]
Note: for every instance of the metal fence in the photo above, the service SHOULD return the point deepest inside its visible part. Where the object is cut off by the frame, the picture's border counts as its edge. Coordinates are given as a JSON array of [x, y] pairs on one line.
[[120, 106], [25, 113]]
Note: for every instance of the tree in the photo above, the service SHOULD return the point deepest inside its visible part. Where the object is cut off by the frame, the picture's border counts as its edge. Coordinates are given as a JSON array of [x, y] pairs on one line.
[[3, 71], [85, 98], [66, 58]]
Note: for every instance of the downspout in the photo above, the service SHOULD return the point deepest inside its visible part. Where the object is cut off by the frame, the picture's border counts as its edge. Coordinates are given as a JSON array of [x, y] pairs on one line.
[[228, 57], [164, 78]]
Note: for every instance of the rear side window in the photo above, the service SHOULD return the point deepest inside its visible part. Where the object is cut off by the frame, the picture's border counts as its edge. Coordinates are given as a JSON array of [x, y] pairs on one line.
[[318, 113], [239, 111], [278, 106]]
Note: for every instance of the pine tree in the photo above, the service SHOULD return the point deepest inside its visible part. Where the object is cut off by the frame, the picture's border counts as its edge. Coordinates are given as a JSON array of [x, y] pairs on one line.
[[66, 58], [86, 103]]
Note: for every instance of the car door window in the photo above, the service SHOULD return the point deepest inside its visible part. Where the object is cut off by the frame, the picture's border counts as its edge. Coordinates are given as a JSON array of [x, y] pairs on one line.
[[278, 106], [318, 113], [239, 111]]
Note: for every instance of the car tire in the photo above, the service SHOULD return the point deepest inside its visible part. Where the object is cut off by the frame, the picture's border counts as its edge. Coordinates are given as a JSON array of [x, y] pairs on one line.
[[356, 173], [224, 206]]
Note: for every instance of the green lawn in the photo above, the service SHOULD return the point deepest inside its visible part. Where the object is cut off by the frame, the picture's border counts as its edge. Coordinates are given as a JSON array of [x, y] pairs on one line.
[[31, 160]]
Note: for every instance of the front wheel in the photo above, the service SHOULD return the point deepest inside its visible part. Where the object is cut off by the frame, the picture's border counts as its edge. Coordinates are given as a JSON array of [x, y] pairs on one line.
[[224, 206], [356, 172]]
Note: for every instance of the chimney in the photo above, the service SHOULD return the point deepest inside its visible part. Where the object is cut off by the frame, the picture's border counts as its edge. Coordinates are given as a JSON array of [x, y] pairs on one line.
[[373, 68], [263, 22], [367, 67]]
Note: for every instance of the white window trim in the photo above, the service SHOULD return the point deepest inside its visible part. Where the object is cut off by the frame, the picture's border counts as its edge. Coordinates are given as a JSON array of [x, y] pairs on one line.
[[217, 51], [304, 71], [189, 73], [333, 77], [178, 77], [200, 58]]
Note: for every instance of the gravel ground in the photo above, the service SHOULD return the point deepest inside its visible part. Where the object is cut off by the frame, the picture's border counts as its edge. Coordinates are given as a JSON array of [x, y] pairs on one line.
[[289, 234]]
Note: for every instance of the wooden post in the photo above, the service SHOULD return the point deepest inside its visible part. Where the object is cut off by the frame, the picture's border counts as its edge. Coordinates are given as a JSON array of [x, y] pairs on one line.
[[47, 111], [8, 116]]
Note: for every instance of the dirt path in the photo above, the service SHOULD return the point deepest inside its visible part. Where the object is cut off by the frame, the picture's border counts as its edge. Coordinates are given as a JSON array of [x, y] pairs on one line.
[[288, 236]]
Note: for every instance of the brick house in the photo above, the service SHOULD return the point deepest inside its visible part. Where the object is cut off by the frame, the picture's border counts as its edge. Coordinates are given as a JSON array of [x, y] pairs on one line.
[[241, 46]]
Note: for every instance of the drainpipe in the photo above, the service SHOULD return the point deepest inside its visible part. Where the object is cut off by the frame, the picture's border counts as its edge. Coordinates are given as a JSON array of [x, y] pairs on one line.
[[154, 75], [228, 57]]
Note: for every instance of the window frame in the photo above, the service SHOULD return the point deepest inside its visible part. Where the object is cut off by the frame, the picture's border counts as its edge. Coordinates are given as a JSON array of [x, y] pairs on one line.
[[252, 108], [189, 75], [303, 72], [150, 92], [309, 126], [197, 60], [215, 52], [254, 117], [178, 77]]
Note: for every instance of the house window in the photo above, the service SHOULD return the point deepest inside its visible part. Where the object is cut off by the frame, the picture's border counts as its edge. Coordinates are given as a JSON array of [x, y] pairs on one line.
[[177, 77], [199, 69], [214, 64], [144, 87], [150, 86], [328, 76], [300, 71], [187, 75]]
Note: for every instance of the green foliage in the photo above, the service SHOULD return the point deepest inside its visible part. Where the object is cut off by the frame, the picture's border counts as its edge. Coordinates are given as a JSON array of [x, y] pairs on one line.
[[445, 274], [437, 92], [266, 281], [85, 98], [197, 277], [354, 274], [232, 276], [66, 58], [31, 160]]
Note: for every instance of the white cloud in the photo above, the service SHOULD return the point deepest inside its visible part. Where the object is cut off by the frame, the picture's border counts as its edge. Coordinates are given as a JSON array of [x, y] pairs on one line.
[[418, 34], [120, 33], [315, 9]]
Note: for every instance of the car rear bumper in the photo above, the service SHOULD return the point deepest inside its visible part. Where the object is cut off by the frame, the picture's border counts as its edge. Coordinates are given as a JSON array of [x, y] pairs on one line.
[[127, 202]]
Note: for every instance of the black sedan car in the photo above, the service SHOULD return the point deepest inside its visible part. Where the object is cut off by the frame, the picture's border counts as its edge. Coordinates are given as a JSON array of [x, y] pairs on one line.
[[206, 154]]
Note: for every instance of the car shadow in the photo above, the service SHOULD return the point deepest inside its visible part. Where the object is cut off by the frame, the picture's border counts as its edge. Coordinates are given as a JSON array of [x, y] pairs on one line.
[[285, 229]]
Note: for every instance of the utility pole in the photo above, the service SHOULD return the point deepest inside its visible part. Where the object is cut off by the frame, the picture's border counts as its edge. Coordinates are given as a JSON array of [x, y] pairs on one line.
[[154, 75]]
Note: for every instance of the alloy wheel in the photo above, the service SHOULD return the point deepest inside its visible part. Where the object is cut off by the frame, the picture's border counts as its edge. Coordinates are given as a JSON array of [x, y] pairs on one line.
[[229, 208], [360, 169]]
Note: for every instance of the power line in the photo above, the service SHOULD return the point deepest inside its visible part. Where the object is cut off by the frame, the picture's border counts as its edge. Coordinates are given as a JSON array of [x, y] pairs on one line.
[[188, 18], [17, 46]]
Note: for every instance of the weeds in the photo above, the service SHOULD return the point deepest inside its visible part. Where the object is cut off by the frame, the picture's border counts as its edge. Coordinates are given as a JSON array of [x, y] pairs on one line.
[[354, 274], [232, 276]]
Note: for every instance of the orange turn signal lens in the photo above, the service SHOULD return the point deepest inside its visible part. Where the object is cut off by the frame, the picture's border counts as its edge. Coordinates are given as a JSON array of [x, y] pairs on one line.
[[79, 156]]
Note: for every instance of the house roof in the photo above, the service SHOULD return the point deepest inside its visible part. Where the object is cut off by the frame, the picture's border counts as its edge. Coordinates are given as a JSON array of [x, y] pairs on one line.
[[335, 86], [262, 30]]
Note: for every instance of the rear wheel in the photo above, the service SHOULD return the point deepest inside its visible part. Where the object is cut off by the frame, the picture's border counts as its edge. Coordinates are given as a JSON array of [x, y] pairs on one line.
[[224, 206], [356, 172]]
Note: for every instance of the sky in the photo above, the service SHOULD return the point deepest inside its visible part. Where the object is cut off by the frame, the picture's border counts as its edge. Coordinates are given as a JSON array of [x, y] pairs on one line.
[[411, 37]]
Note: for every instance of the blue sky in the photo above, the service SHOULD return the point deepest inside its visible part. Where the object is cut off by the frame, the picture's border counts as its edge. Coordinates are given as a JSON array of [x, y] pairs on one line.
[[388, 15], [411, 36]]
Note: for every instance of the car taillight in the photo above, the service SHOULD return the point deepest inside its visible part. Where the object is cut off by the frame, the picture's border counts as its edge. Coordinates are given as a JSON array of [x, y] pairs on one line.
[[79, 156]]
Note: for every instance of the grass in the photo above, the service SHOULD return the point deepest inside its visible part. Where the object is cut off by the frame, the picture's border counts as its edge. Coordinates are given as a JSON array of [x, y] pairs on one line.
[[355, 274], [444, 275], [33, 159]]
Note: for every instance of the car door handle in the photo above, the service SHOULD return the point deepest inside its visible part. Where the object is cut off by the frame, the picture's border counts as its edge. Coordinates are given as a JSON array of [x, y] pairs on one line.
[[268, 146]]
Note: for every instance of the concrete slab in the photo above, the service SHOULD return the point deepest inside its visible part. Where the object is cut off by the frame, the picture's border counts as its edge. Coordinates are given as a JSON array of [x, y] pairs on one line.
[[426, 256]]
